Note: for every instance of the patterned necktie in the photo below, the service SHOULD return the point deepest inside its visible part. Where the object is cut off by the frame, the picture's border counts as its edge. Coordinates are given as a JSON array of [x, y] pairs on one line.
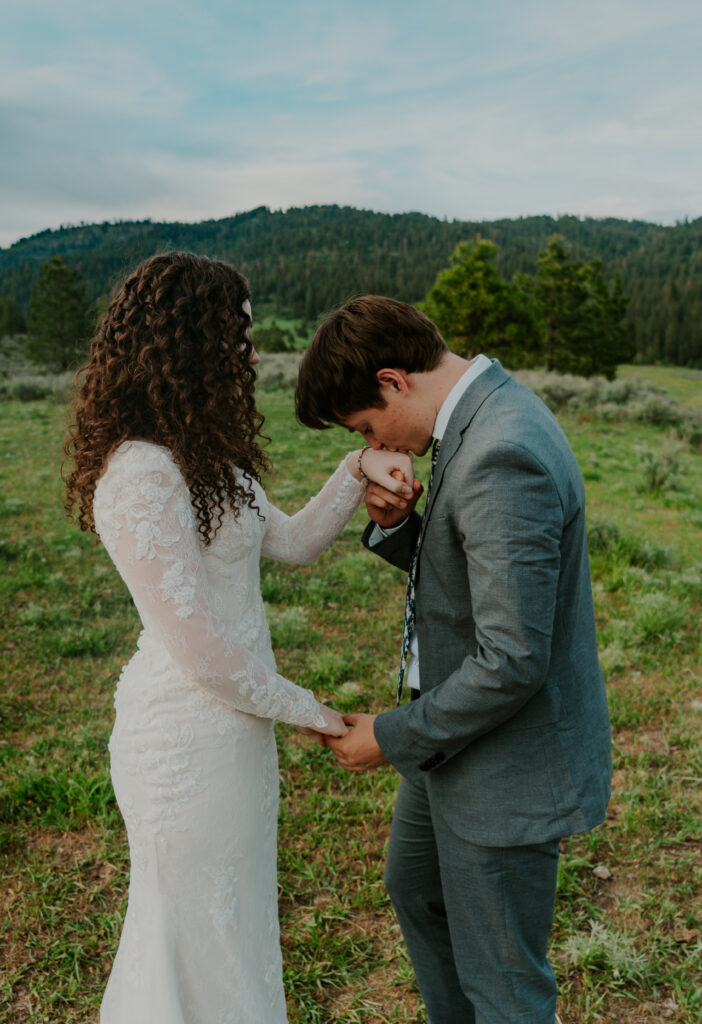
[[408, 627]]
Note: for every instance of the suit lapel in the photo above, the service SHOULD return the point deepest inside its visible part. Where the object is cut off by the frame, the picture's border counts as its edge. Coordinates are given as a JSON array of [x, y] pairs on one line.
[[461, 417]]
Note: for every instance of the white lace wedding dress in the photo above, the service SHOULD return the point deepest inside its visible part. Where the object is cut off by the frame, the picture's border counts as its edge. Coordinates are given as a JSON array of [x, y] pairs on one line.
[[193, 754]]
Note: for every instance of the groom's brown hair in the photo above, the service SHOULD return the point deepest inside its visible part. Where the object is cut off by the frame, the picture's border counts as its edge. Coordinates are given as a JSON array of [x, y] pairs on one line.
[[337, 374]]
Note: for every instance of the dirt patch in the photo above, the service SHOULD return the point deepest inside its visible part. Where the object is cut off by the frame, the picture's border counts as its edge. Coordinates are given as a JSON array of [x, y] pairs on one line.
[[383, 993], [67, 849], [632, 743], [690, 848]]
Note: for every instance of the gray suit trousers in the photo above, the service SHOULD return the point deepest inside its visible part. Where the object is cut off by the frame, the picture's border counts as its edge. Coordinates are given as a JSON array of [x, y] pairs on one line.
[[475, 919]]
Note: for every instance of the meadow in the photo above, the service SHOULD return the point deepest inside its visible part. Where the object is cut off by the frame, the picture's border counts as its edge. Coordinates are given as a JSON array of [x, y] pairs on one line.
[[628, 934]]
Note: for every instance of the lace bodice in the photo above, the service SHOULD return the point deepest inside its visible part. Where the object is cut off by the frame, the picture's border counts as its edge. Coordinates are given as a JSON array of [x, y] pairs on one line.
[[202, 604]]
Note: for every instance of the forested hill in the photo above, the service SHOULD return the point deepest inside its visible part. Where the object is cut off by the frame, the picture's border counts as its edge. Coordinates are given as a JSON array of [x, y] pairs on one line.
[[305, 261]]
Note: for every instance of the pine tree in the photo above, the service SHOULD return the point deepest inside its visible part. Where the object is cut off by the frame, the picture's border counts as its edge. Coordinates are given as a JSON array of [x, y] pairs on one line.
[[11, 319], [581, 318], [60, 318], [476, 310]]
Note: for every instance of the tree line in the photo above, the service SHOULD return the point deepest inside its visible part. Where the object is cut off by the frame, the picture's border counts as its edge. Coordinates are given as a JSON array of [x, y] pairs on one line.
[[565, 317], [303, 262]]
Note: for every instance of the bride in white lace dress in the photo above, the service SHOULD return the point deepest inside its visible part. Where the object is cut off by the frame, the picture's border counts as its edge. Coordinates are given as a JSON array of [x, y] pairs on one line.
[[166, 467]]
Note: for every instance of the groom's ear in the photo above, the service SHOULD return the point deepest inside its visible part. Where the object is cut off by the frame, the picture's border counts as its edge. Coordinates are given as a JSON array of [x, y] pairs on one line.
[[393, 379]]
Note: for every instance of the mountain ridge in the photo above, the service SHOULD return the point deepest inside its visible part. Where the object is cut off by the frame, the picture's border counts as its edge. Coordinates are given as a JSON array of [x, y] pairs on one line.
[[305, 260]]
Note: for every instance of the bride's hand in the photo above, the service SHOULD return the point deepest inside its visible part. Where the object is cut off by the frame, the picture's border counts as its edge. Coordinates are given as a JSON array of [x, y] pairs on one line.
[[334, 724], [392, 470]]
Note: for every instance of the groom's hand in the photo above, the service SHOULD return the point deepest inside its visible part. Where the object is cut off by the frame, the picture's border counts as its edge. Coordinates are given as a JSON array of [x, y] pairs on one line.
[[318, 737], [357, 750], [382, 505]]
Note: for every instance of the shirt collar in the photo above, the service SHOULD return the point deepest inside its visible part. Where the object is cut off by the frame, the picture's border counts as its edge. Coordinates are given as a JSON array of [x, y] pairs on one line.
[[474, 370]]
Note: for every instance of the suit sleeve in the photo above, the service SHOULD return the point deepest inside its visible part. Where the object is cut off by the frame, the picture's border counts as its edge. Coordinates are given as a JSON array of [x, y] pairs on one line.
[[397, 548], [509, 517]]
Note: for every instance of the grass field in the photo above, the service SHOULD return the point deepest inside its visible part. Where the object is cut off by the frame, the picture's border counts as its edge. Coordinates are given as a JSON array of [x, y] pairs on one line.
[[627, 936], [683, 384]]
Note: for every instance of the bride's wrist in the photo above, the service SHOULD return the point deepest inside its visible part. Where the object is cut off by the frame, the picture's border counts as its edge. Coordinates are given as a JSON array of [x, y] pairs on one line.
[[354, 463]]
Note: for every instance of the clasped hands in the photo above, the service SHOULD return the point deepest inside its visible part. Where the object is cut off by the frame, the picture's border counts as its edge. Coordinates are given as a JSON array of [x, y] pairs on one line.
[[388, 507], [351, 737], [357, 749]]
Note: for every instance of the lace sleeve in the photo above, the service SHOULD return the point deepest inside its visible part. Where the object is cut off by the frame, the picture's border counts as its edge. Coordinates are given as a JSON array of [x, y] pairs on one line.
[[144, 518], [302, 537]]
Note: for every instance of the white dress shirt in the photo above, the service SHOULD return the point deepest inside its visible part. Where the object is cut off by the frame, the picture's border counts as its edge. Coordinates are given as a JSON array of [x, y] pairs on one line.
[[475, 368]]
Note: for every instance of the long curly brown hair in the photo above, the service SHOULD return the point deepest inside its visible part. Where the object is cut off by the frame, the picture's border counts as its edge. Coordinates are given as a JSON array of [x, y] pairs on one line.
[[171, 363]]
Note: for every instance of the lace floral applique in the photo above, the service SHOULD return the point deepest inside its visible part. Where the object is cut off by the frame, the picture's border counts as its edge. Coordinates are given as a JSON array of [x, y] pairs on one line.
[[224, 901], [207, 709], [178, 587], [237, 537], [348, 496], [270, 699]]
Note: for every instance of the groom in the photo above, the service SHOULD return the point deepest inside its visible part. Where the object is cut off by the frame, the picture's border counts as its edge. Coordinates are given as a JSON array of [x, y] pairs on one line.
[[504, 747]]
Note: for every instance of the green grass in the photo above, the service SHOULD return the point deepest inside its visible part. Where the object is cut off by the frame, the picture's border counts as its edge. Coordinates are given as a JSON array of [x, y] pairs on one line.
[[626, 946], [685, 385]]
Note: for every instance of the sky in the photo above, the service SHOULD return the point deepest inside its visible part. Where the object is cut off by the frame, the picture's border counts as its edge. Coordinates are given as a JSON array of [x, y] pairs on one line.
[[455, 108]]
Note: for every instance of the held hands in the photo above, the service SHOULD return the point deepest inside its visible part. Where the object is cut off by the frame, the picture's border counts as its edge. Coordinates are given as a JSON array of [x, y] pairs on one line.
[[357, 750], [334, 726]]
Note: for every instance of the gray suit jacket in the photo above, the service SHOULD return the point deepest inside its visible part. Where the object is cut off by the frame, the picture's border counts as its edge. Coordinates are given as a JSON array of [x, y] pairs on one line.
[[511, 732]]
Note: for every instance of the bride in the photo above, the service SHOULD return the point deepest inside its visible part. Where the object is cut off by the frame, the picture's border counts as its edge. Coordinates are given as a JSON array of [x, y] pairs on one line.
[[166, 469]]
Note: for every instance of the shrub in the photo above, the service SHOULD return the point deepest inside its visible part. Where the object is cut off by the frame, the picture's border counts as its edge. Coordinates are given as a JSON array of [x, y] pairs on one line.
[[631, 399], [658, 617], [607, 951], [661, 471], [605, 538], [26, 390], [35, 387], [278, 371], [273, 338]]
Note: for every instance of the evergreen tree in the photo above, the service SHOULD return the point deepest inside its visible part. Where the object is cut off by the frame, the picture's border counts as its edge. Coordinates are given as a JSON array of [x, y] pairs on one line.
[[11, 318], [60, 318], [273, 338], [581, 318], [476, 310]]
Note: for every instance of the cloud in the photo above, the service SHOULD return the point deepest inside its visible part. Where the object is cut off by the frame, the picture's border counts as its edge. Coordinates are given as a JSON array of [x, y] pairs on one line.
[[171, 111], [573, 27], [197, 186], [118, 80], [191, 189]]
